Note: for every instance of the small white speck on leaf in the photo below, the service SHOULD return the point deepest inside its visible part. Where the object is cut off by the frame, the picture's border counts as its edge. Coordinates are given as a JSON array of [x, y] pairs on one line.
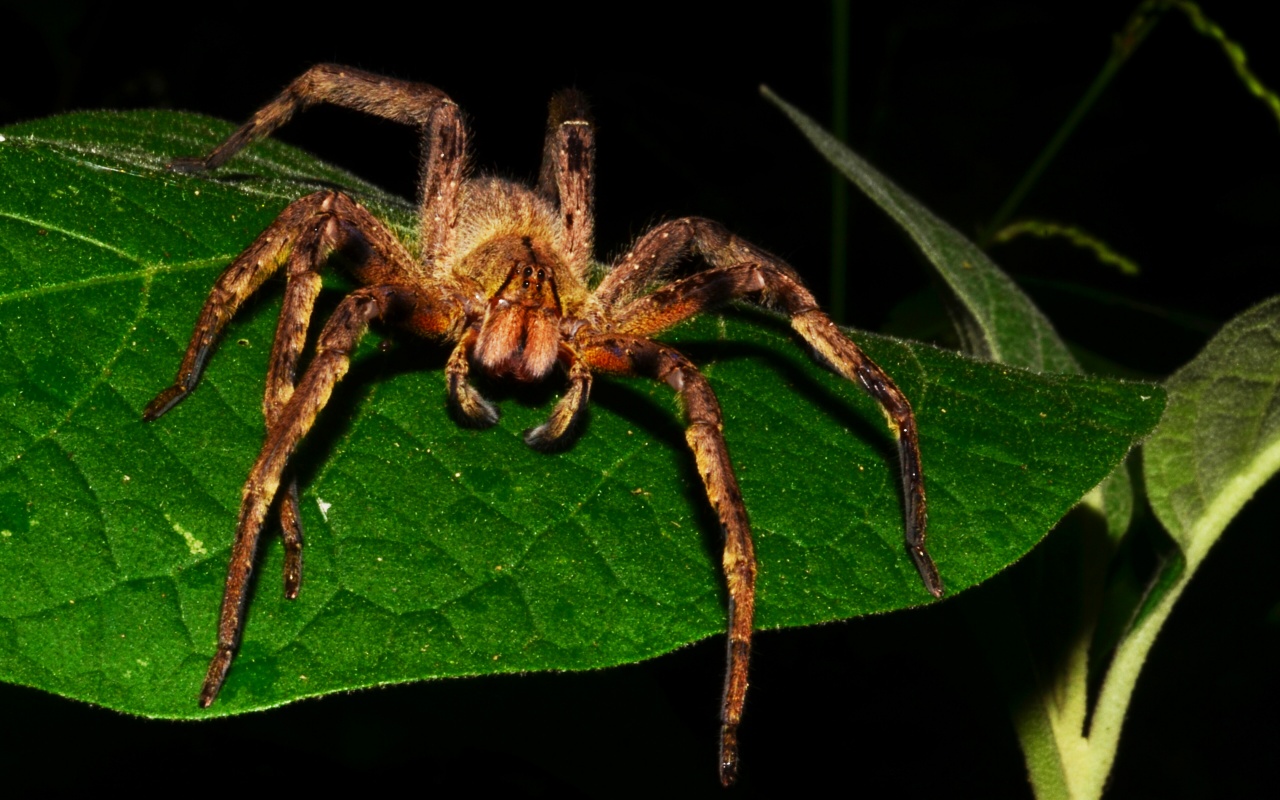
[[193, 544], [324, 508]]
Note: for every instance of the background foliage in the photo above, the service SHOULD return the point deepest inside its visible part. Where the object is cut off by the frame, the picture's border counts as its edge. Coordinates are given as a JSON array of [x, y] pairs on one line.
[[1176, 168]]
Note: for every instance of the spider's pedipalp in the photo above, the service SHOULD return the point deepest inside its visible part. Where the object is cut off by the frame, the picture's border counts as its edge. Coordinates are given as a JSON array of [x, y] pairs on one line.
[[636, 355], [566, 418], [472, 409]]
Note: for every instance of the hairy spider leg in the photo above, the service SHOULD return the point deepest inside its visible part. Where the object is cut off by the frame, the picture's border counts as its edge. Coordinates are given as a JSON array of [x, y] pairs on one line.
[[341, 334], [311, 229], [567, 176], [237, 283], [302, 287], [636, 355], [443, 156], [739, 270]]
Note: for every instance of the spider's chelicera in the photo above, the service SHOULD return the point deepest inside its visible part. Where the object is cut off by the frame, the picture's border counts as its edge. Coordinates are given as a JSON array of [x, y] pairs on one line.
[[504, 272]]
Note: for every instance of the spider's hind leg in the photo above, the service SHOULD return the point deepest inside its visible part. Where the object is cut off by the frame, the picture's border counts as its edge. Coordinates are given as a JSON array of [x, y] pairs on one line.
[[301, 291]]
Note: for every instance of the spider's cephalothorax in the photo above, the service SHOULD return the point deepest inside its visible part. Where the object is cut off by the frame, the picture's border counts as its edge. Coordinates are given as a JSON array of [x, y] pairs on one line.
[[504, 273]]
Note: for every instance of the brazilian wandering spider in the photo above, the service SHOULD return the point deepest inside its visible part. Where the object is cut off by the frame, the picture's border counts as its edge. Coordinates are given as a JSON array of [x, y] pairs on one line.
[[504, 273]]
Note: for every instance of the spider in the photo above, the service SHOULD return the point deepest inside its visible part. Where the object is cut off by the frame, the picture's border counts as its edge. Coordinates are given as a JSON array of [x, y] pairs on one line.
[[505, 273]]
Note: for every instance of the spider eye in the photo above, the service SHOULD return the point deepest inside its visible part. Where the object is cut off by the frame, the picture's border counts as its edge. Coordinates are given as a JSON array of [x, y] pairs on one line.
[[529, 271]]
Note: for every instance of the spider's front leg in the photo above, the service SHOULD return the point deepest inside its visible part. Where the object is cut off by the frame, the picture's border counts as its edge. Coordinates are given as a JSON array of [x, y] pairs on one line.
[[740, 270], [300, 240], [418, 104], [292, 238], [636, 355], [332, 359]]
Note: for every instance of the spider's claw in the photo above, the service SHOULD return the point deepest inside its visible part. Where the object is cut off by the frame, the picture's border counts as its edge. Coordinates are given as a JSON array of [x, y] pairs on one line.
[[291, 528], [544, 439], [164, 401], [472, 410], [728, 755], [561, 428], [187, 166], [928, 571], [216, 675]]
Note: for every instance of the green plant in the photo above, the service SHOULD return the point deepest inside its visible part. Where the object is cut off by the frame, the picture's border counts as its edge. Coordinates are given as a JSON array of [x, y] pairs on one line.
[[45, 362], [1070, 642]]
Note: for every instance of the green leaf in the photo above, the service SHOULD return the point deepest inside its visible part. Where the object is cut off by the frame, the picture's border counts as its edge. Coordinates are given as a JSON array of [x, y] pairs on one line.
[[1219, 440], [433, 550], [1047, 686], [997, 321], [993, 317]]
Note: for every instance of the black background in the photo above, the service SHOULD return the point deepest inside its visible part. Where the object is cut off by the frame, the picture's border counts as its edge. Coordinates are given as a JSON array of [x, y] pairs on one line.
[[1177, 167]]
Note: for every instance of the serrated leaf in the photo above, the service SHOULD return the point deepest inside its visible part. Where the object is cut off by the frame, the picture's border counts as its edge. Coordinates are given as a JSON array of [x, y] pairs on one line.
[[434, 550]]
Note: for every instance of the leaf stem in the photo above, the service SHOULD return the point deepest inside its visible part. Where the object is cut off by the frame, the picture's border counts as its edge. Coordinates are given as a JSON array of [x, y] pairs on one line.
[[1123, 46]]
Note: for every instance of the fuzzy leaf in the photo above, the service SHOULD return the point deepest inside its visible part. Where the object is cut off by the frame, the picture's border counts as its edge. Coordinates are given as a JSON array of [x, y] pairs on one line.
[[1219, 440], [993, 317], [998, 321], [433, 550]]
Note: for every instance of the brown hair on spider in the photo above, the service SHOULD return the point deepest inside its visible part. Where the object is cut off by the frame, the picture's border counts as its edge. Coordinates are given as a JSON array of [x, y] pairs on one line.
[[503, 272]]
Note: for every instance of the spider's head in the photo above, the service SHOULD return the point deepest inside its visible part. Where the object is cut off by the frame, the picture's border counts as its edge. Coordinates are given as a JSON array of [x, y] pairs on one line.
[[520, 333]]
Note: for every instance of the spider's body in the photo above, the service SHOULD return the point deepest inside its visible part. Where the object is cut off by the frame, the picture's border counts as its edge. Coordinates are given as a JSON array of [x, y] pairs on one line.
[[504, 272]]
